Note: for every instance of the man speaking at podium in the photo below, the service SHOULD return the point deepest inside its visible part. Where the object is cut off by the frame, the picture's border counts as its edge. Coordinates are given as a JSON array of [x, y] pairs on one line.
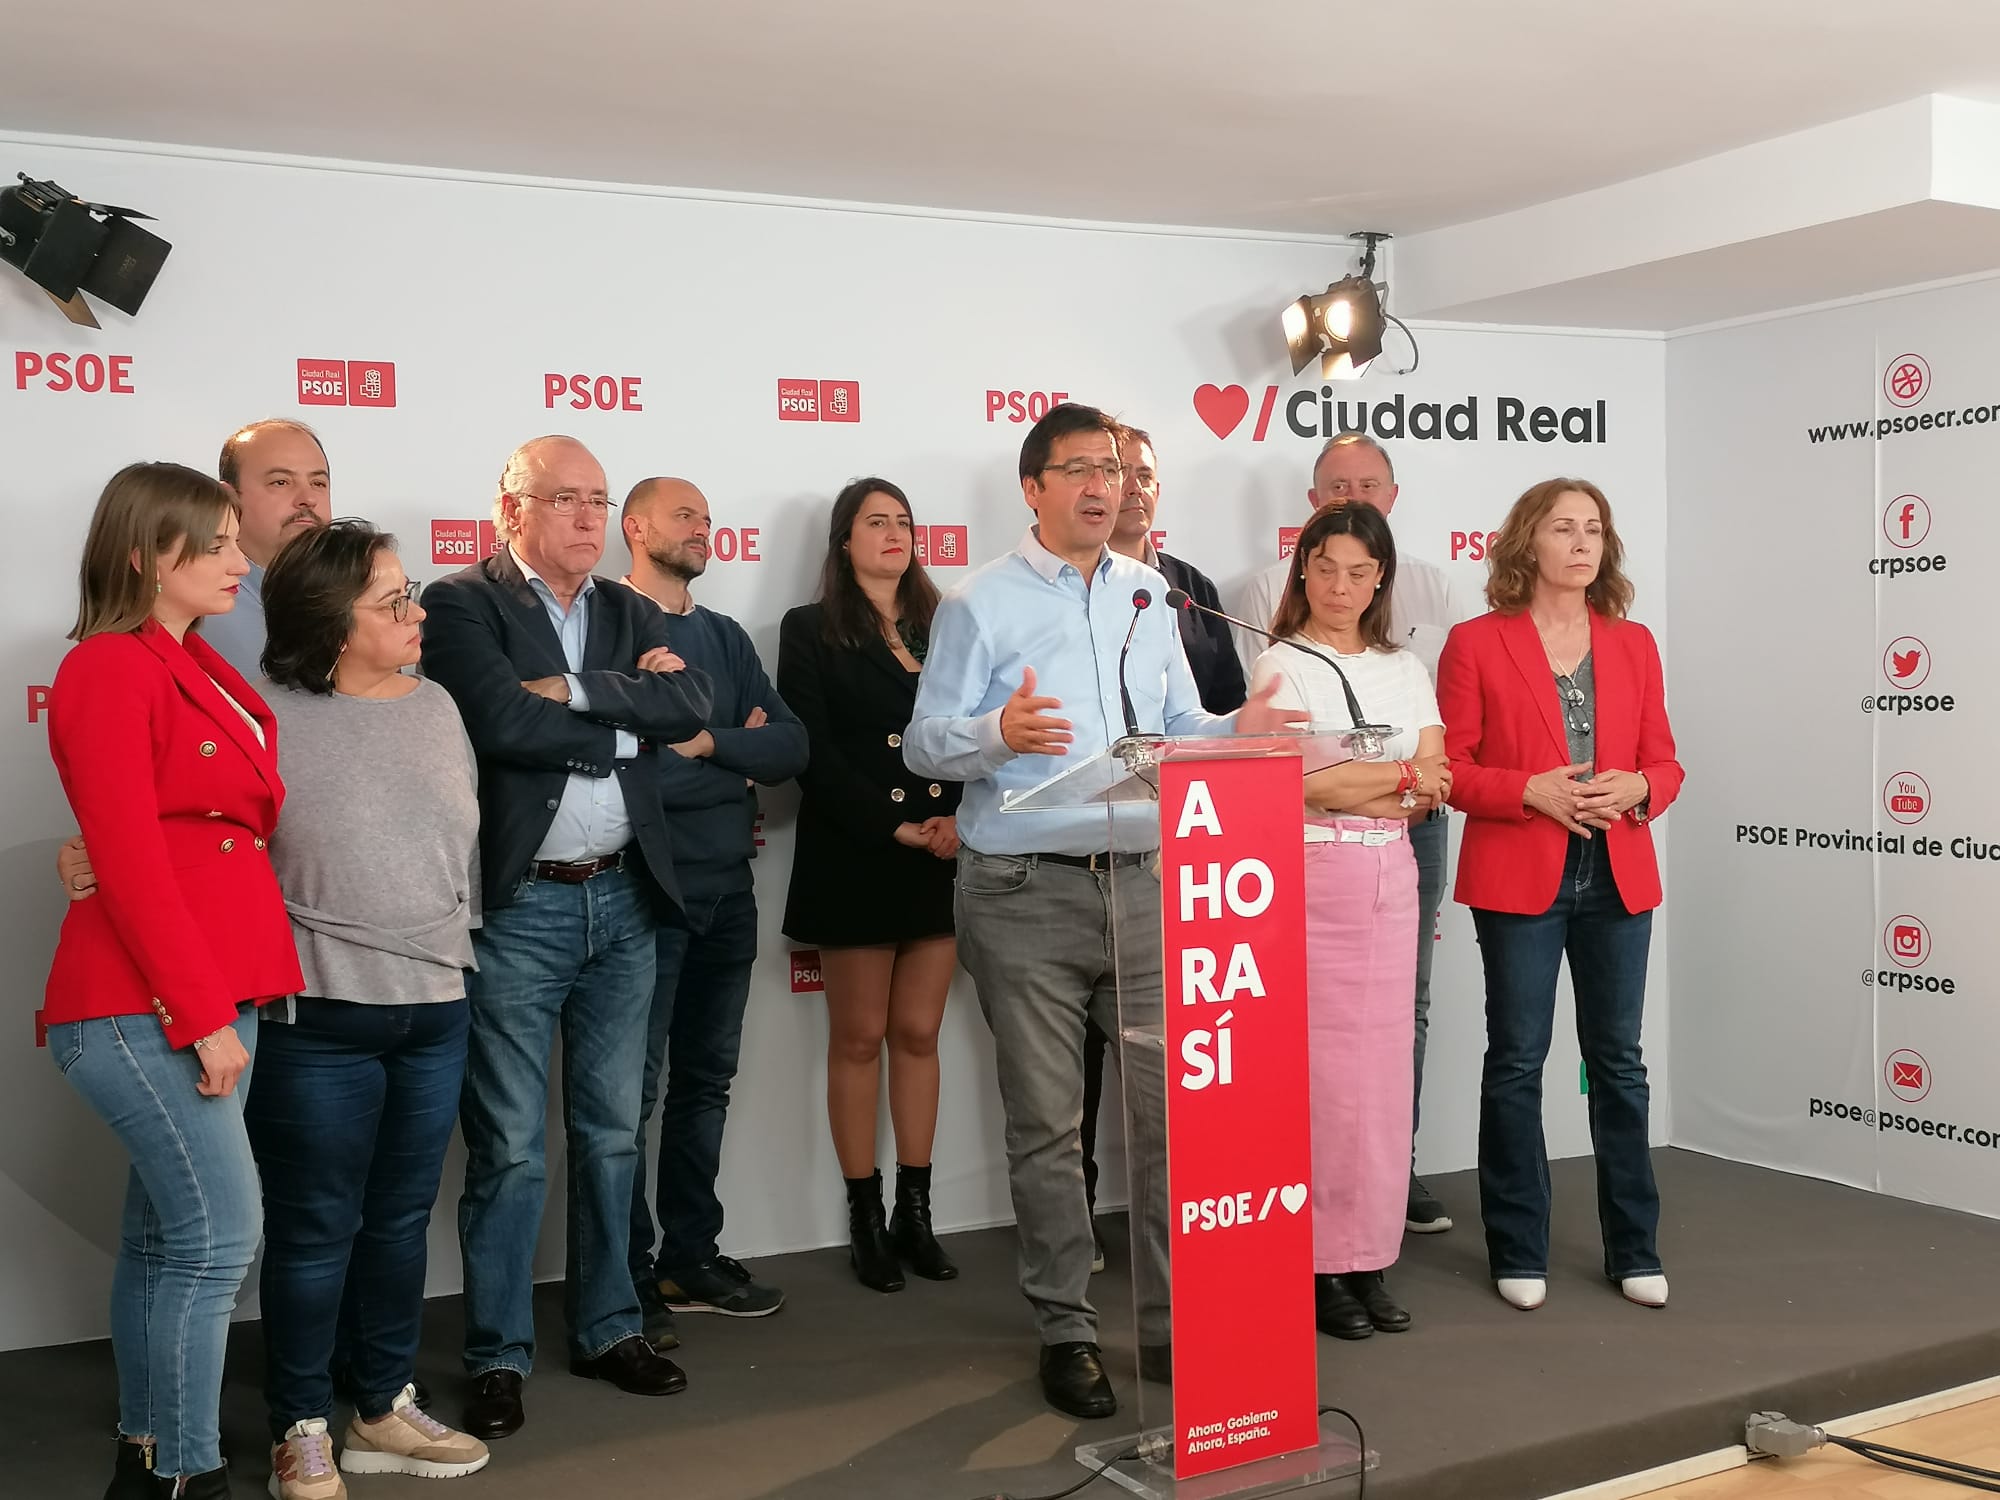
[[1037, 662]]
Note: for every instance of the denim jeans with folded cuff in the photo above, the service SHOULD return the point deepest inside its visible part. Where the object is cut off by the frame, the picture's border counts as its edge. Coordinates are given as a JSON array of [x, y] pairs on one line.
[[190, 1226], [579, 958], [350, 1125], [1607, 948], [702, 987]]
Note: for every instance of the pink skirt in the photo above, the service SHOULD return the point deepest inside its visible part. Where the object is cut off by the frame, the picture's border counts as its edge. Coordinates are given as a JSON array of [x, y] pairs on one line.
[[1361, 986]]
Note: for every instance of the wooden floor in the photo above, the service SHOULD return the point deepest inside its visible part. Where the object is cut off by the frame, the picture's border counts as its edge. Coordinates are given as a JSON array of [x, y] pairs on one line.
[[1968, 1435]]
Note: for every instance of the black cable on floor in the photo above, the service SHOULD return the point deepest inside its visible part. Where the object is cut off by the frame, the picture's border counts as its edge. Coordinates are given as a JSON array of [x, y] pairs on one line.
[[1942, 1469], [1089, 1479], [1361, 1441]]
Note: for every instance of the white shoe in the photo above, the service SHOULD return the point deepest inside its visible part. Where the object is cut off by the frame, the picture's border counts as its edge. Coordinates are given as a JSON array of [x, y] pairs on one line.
[[408, 1441], [1647, 1291], [1524, 1292]]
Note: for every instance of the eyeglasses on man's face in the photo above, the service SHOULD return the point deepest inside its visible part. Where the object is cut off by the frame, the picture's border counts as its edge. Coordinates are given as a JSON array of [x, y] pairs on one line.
[[1081, 470], [573, 502]]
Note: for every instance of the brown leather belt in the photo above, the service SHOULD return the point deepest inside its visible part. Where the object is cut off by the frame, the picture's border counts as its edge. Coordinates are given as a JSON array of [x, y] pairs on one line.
[[576, 871]]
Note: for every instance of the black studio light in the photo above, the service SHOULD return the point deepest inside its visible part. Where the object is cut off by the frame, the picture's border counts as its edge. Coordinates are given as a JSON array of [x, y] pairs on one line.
[[1341, 327], [68, 247]]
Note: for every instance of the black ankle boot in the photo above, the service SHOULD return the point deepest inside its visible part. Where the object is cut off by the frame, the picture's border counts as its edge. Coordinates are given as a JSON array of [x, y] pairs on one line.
[[214, 1485], [910, 1229], [869, 1250], [132, 1473]]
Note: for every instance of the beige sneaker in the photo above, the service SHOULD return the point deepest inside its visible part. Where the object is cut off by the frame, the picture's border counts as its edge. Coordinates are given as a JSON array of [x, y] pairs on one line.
[[302, 1465], [409, 1441]]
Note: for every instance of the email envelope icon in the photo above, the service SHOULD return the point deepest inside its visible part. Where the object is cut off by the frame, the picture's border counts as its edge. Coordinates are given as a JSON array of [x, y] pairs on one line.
[[1908, 1075]]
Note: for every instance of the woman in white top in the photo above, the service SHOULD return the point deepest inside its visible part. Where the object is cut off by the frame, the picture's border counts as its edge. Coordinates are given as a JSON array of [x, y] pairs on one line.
[[1361, 901]]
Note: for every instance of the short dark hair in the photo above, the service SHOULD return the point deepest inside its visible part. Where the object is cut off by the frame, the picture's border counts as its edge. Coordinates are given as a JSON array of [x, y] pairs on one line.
[[309, 594], [1366, 525], [229, 467], [847, 615], [1127, 433], [1066, 419]]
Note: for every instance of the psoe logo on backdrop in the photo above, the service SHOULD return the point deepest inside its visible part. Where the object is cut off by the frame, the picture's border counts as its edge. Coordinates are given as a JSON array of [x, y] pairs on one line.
[[582, 392], [943, 546], [347, 382], [1020, 407], [1906, 797], [1474, 545], [38, 702], [1906, 380], [87, 374], [806, 976], [1288, 541], [819, 401], [456, 543], [1907, 1075], [1906, 522], [1323, 414]]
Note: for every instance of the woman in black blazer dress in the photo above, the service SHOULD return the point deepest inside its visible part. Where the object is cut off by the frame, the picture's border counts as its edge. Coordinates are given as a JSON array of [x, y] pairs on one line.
[[872, 867]]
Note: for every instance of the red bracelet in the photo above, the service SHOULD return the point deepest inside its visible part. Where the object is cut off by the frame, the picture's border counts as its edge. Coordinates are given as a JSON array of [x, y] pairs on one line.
[[1409, 777]]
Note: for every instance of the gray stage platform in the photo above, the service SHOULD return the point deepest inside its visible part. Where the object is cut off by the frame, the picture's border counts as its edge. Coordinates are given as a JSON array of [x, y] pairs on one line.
[[1789, 1293]]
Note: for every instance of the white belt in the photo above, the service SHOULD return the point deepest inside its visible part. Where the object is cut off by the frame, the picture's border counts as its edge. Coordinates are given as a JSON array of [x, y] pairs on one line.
[[1374, 838]]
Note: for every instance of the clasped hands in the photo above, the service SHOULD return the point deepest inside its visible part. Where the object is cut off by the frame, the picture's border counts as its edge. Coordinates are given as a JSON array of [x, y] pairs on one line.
[[1582, 806]]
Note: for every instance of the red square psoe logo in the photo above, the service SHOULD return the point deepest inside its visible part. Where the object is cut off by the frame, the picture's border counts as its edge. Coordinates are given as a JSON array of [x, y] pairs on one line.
[[1288, 540], [322, 382], [455, 543], [840, 401], [947, 547], [489, 540], [922, 536], [371, 382], [806, 978], [798, 400]]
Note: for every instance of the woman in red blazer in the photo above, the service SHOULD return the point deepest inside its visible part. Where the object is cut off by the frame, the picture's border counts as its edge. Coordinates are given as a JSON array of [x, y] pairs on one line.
[[1556, 728], [169, 761]]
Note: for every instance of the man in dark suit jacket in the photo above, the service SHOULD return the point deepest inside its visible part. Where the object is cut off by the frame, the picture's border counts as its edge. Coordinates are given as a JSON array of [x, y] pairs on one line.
[[567, 685]]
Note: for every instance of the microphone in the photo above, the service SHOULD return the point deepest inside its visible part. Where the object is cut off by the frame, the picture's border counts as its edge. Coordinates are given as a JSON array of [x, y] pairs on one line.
[[1367, 737], [1142, 600]]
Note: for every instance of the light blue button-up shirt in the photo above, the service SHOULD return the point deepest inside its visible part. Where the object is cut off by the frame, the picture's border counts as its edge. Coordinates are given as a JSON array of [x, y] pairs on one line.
[[591, 819], [239, 635], [1032, 609]]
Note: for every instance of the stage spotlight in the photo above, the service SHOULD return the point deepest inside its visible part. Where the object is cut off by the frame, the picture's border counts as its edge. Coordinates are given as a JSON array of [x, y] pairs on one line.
[[1342, 326], [68, 247]]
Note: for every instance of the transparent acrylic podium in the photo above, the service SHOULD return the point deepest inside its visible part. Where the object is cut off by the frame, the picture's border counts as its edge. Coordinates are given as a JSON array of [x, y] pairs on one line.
[[1125, 780]]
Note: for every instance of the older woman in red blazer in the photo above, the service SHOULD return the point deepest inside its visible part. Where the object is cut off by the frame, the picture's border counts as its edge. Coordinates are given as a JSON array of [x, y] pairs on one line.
[[169, 761], [1556, 728]]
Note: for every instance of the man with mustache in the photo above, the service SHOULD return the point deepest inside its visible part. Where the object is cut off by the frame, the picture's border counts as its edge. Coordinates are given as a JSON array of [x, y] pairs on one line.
[[279, 472]]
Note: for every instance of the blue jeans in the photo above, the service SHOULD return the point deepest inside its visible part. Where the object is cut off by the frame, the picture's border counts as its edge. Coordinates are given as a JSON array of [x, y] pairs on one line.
[[578, 957], [1607, 964], [696, 1035], [1430, 839], [350, 1121], [190, 1227]]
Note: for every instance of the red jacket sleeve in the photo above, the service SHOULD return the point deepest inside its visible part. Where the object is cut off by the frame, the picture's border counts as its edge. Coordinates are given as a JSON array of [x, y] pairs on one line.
[[1657, 761], [1479, 791], [101, 713]]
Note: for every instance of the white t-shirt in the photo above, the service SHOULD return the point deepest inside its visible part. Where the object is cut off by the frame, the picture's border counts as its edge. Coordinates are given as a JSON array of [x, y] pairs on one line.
[[1421, 615], [1391, 686]]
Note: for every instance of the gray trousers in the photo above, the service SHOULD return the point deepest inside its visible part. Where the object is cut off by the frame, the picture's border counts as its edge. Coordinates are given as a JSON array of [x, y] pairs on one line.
[[1429, 839], [1037, 938]]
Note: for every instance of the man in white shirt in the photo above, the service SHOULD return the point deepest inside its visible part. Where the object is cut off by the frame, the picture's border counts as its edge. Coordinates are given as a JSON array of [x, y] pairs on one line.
[[1354, 467]]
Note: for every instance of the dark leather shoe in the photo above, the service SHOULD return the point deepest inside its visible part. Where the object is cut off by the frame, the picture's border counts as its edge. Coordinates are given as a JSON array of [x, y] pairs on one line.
[[132, 1473], [495, 1408], [869, 1249], [1337, 1313], [1384, 1312], [1074, 1382], [1156, 1363], [214, 1485], [633, 1366], [910, 1228]]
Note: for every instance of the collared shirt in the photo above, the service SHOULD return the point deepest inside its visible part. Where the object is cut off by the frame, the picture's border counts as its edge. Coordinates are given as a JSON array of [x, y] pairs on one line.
[[1425, 607], [1032, 609], [591, 819], [239, 635]]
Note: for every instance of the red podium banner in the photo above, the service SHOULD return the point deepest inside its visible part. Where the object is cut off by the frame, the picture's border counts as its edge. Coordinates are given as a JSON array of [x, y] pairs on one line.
[[1239, 1144]]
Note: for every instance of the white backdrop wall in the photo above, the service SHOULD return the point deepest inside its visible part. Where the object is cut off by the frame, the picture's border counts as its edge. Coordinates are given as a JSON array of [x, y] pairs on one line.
[[476, 291], [1831, 478]]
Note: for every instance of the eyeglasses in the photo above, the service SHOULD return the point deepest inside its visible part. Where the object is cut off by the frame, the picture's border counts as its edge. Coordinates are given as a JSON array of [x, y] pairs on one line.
[[399, 607], [1573, 714], [569, 502], [1081, 470]]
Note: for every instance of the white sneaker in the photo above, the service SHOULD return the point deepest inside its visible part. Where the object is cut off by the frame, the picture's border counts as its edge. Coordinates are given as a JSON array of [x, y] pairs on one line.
[[1647, 1291], [302, 1465], [410, 1441], [1524, 1292]]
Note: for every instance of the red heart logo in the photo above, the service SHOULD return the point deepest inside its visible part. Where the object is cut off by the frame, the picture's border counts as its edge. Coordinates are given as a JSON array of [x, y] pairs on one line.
[[1221, 407]]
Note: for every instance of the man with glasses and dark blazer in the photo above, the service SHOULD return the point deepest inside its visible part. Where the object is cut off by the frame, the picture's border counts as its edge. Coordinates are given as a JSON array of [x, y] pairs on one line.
[[569, 690]]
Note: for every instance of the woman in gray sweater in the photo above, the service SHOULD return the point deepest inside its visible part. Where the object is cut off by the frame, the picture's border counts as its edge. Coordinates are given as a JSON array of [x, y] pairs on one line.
[[353, 1104]]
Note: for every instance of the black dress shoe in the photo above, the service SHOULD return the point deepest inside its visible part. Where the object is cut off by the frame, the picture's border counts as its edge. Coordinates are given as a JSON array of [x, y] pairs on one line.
[[910, 1227], [214, 1485], [495, 1408], [1384, 1312], [1074, 1381], [633, 1366], [1337, 1313], [869, 1249], [1156, 1363]]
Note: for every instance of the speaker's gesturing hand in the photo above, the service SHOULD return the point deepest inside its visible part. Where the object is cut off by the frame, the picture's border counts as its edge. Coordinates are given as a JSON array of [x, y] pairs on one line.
[[1026, 725]]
